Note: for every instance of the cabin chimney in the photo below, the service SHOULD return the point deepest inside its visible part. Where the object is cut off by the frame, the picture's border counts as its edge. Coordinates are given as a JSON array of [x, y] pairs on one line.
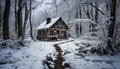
[[48, 20]]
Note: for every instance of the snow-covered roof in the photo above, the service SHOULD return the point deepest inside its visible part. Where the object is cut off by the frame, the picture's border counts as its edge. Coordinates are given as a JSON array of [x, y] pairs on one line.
[[44, 25]]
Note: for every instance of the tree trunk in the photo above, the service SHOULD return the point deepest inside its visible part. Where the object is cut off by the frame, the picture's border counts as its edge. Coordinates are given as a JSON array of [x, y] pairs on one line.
[[80, 28], [1, 19], [15, 12], [6, 20], [111, 30], [19, 14], [80, 12], [31, 29], [77, 29], [25, 19], [77, 13], [0, 14], [96, 12], [86, 11]]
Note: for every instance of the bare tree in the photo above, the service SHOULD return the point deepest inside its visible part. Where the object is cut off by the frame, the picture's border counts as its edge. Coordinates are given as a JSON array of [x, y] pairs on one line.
[[0, 14], [19, 14], [95, 7], [28, 14], [6, 20], [80, 28], [77, 29], [1, 19], [25, 18], [96, 12], [111, 30], [86, 11], [15, 11], [31, 29]]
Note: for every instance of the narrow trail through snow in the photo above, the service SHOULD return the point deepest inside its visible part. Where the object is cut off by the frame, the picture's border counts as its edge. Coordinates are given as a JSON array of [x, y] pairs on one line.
[[59, 60]]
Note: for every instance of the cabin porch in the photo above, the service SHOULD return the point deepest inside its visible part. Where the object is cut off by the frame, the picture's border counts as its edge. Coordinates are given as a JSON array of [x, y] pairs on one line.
[[57, 34], [51, 34]]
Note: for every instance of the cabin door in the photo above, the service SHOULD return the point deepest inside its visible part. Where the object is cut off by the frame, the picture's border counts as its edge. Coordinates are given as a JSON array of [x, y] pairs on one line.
[[61, 34]]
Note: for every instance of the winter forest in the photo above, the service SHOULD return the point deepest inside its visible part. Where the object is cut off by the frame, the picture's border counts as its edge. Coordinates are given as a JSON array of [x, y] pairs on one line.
[[59, 34]]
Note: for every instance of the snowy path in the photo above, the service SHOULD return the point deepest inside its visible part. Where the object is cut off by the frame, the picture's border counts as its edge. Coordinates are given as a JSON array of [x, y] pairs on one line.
[[57, 61], [59, 58]]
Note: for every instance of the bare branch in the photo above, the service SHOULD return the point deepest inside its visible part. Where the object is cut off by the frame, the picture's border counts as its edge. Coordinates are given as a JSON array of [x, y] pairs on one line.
[[95, 7]]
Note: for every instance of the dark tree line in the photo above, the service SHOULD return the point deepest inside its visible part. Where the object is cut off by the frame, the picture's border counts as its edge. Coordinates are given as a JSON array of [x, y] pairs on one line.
[[20, 6]]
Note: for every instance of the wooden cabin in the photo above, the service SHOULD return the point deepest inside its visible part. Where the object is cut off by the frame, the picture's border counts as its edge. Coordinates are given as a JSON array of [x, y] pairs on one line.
[[52, 29]]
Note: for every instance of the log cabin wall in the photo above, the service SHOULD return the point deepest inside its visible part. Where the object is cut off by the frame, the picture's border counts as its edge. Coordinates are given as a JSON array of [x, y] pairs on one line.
[[57, 31]]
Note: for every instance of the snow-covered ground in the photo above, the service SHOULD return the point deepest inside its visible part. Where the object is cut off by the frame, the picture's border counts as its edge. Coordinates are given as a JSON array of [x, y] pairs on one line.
[[34, 53], [88, 61], [28, 57]]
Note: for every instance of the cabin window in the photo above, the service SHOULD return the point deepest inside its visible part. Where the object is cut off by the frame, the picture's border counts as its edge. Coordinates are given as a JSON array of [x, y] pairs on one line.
[[60, 25], [52, 32], [90, 26], [57, 32]]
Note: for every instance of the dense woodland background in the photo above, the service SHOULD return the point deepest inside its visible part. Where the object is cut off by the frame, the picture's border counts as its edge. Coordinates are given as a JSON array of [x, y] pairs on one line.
[[19, 18]]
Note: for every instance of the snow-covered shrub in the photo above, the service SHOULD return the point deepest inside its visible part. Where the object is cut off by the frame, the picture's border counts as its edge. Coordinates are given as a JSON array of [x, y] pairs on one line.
[[91, 44], [13, 44], [48, 62], [100, 49]]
